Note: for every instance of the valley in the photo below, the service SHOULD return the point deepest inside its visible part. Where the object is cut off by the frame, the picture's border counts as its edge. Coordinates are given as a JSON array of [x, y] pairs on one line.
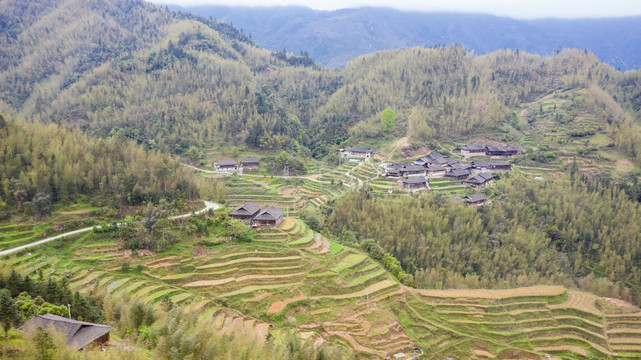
[[163, 176]]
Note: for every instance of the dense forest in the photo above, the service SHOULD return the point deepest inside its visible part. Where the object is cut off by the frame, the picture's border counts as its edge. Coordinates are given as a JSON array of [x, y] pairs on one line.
[[42, 165], [577, 233], [173, 81]]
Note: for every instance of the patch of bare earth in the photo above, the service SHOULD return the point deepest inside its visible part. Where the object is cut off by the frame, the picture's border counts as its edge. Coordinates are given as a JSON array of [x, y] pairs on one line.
[[280, 305], [484, 353], [288, 191], [575, 349], [619, 303]]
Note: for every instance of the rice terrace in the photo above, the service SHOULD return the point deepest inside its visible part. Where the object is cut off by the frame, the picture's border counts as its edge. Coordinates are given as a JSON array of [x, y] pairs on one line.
[[292, 277]]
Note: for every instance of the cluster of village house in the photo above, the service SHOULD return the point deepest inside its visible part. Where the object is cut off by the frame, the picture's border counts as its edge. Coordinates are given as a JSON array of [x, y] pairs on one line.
[[229, 165], [255, 216], [414, 175]]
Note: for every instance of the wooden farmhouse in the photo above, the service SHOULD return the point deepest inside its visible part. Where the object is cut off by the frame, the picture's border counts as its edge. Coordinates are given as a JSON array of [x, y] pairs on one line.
[[412, 170], [225, 165], [478, 149], [457, 174], [473, 150], [79, 334], [503, 150], [269, 217], [360, 152], [245, 213], [435, 170], [250, 163], [436, 159], [480, 180], [414, 183], [497, 165], [460, 166], [476, 199]]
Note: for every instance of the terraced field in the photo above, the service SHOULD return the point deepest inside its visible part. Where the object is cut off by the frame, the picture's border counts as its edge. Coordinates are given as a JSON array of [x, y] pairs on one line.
[[519, 323], [261, 191], [293, 278]]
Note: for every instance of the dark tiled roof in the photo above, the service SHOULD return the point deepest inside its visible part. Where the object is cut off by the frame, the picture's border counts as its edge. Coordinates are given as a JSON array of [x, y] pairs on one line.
[[435, 168], [461, 166], [252, 160], [78, 333], [473, 147], [413, 168], [225, 162], [248, 209], [415, 180], [481, 178], [475, 198], [457, 173], [269, 214], [495, 148], [435, 158]]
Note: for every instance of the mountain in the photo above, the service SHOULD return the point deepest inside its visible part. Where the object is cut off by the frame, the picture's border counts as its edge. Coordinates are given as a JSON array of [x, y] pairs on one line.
[[182, 83], [335, 37]]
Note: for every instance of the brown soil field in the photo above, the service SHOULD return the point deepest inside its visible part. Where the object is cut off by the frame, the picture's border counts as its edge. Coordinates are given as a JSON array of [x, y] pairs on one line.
[[280, 305]]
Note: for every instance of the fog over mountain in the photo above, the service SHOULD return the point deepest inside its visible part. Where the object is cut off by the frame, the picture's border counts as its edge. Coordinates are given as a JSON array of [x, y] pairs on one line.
[[335, 37]]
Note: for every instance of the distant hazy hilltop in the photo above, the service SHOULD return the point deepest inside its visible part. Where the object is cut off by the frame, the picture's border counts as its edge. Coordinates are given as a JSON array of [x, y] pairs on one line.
[[335, 37]]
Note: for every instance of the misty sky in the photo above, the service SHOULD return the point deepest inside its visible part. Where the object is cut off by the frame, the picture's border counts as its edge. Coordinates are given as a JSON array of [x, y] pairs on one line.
[[528, 9]]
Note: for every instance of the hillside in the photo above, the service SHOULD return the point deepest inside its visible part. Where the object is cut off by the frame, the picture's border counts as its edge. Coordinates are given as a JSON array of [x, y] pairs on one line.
[[115, 111], [185, 84], [293, 278], [335, 37]]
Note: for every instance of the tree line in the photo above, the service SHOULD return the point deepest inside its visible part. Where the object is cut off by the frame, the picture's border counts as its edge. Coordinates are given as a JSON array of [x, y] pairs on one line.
[[43, 165], [573, 233]]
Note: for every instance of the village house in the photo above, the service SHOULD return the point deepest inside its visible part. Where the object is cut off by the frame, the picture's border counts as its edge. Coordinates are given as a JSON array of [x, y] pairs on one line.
[[412, 170], [269, 217], [414, 183], [503, 150], [497, 165], [250, 163], [480, 180], [245, 213], [226, 165], [435, 170], [393, 171], [78, 334], [360, 152], [436, 159], [473, 150], [460, 166], [476, 199], [457, 174]]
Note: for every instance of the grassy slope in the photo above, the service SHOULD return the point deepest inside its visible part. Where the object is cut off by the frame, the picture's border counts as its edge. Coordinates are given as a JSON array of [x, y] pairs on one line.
[[293, 278]]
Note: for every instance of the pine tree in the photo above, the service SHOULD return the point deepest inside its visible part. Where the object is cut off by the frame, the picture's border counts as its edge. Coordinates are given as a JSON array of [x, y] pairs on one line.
[[9, 313]]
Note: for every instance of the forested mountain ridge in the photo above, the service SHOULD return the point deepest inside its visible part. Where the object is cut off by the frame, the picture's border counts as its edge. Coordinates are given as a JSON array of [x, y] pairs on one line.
[[186, 83], [101, 53], [335, 37]]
